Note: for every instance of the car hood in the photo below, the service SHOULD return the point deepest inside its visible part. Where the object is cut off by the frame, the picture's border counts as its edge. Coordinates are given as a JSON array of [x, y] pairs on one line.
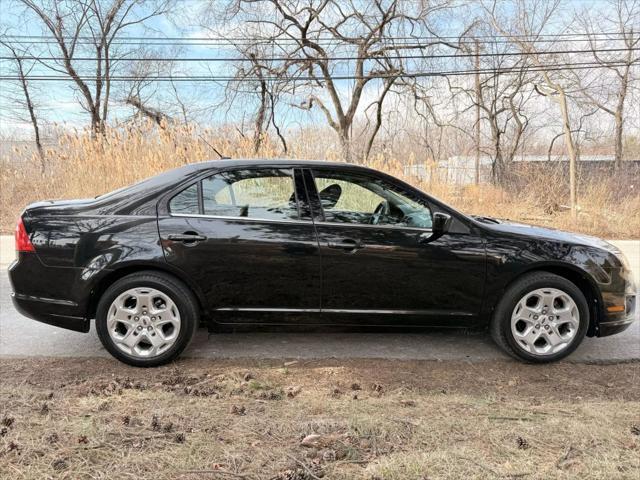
[[543, 233]]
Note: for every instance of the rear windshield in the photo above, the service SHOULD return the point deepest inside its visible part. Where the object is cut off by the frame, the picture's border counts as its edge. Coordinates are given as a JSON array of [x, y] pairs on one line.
[[156, 179]]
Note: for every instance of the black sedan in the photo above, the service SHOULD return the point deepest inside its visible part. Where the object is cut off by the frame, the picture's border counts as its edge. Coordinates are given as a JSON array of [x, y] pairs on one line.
[[315, 243]]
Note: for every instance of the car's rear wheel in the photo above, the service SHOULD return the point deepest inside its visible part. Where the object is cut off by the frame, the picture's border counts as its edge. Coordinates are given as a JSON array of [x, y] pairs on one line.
[[146, 319], [541, 318]]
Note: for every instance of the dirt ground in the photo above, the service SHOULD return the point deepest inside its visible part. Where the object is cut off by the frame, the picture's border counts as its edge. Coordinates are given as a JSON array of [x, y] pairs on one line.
[[332, 419]]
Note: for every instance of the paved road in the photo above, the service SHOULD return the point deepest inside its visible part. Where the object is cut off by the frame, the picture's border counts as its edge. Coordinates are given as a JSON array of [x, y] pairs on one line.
[[20, 336]]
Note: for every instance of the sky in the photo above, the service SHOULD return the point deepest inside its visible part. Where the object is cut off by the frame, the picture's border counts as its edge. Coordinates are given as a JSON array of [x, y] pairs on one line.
[[57, 102]]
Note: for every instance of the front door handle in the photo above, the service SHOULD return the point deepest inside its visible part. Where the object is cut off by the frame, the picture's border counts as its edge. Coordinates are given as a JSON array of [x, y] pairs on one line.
[[348, 244], [187, 237]]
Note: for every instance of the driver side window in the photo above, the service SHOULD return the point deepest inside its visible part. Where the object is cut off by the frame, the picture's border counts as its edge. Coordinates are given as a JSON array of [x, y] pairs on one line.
[[350, 198]]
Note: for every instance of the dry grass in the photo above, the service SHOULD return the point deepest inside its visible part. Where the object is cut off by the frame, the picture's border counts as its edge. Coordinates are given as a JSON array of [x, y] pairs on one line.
[[81, 167], [376, 420]]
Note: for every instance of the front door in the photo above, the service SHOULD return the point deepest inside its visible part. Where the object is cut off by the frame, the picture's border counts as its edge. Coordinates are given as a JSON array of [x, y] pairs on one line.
[[245, 237], [380, 265]]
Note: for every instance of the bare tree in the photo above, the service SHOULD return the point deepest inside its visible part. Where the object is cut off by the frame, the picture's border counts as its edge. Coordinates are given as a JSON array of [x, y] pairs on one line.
[[528, 22], [325, 42], [438, 115], [22, 72], [379, 104], [263, 104], [499, 94], [89, 27], [618, 23], [478, 96], [258, 79]]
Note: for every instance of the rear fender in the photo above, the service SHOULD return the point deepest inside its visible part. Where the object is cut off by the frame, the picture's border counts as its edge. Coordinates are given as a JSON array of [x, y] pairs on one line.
[[105, 278]]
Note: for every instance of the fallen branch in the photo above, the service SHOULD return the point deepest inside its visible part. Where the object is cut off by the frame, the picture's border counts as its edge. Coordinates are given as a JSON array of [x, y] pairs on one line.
[[147, 437], [524, 419], [213, 472]]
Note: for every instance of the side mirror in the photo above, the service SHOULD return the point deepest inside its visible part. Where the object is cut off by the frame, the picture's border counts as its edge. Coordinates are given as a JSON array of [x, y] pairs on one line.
[[441, 223], [440, 226]]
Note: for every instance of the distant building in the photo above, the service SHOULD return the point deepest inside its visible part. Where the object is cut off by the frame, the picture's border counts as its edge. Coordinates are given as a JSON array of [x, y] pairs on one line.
[[461, 169]]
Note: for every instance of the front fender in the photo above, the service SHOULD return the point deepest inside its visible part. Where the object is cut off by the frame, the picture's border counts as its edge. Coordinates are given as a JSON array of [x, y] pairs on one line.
[[508, 260]]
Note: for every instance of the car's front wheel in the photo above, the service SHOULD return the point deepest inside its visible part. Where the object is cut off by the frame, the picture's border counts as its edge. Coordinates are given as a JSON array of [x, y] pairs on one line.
[[146, 319], [541, 318]]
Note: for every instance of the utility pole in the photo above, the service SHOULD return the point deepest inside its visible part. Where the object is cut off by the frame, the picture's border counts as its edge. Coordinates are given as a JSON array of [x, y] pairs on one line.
[[478, 95], [557, 93]]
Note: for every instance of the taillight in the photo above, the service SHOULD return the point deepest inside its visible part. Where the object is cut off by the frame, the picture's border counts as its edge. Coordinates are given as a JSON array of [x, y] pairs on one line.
[[23, 244]]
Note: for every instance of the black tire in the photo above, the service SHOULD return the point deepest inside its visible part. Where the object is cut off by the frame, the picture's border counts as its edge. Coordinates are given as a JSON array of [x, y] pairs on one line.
[[176, 290], [500, 326]]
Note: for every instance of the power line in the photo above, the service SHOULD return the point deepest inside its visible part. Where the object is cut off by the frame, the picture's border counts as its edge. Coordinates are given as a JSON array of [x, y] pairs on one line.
[[235, 41], [245, 42], [269, 59], [219, 78], [325, 38]]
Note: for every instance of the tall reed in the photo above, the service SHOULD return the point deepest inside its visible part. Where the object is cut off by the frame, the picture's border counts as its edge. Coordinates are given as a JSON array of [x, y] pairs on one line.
[[79, 166]]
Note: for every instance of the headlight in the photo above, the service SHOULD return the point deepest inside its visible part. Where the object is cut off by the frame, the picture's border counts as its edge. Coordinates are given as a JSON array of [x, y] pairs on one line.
[[622, 258], [626, 267]]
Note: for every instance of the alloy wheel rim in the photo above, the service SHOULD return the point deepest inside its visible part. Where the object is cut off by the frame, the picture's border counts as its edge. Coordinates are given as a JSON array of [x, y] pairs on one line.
[[545, 321], [143, 322]]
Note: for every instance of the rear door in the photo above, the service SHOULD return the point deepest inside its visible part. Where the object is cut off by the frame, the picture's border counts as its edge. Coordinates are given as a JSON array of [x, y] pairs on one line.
[[245, 236], [380, 265]]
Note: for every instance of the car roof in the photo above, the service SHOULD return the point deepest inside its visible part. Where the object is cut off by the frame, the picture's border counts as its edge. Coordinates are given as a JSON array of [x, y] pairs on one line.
[[169, 178], [242, 162]]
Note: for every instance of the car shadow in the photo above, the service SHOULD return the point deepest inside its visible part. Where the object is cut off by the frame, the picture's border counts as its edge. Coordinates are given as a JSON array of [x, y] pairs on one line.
[[310, 342], [320, 342]]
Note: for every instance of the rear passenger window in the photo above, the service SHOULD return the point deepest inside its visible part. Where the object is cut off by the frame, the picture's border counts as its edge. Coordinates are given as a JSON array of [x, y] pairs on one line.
[[261, 194], [186, 201]]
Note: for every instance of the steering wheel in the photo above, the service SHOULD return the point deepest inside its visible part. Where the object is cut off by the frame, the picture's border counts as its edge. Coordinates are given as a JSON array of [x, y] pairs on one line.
[[382, 210]]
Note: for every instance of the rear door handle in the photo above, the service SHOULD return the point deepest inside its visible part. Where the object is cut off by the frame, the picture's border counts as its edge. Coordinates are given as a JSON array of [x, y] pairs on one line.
[[347, 244], [187, 237]]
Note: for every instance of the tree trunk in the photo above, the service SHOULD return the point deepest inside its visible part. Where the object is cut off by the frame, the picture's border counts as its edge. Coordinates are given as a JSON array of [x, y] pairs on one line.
[[571, 151], [32, 114], [345, 145], [275, 125], [617, 164], [478, 99], [497, 172], [498, 168], [619, 119], [95, 122], [107, 91], [376, 128], [260, 117]]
